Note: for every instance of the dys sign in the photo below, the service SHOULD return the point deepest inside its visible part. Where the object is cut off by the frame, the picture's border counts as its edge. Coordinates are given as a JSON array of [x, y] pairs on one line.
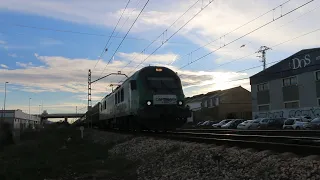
[[297, 63]]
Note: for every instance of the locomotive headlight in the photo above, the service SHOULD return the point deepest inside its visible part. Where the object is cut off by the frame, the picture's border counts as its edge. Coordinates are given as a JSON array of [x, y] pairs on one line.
[[180, 103], [148, 103]]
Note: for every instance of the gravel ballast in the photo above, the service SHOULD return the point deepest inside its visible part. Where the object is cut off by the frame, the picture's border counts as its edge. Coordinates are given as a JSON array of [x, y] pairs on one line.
[[168, 159]]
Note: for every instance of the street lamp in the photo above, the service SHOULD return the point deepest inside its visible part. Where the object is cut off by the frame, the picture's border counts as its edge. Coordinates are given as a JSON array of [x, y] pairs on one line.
[[29, 109], [5, 96]]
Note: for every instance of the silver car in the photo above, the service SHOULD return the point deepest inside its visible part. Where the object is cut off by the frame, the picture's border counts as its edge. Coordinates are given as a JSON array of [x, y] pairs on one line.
[[245, 124], [255, 123]]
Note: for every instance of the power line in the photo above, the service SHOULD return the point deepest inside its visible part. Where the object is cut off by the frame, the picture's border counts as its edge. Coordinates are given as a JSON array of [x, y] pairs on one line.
[[231, 31], [105, 47], [283, 42], [268, 73], [247, 33], [125, 36], [129, 15], [174, 33], [79, 32], [160, 34]]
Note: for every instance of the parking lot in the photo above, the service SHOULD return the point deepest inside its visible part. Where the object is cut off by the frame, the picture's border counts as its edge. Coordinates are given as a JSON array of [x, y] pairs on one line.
[[294, 123]]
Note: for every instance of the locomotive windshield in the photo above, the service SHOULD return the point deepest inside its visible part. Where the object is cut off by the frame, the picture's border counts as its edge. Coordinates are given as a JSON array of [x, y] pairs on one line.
[[162, 83]]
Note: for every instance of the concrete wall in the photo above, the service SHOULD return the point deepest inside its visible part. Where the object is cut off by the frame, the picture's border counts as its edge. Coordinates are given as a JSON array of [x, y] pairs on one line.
[[276, 97], [313, 112], [307, 90]]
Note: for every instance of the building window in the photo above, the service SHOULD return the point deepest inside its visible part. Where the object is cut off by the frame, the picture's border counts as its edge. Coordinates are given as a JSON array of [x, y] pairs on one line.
[[263, 107], [319, 102], [263, 87], [317, 75], [290, 105], [105, 104], [290, 81]]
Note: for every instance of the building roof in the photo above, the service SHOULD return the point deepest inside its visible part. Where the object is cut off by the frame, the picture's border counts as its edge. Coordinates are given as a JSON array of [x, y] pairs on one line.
[[303, 61], [200, 97]]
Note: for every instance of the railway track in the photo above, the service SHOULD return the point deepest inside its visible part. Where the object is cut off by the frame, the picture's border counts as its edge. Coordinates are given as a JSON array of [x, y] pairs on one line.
[[294, 133], [299, 145], [275, 140]]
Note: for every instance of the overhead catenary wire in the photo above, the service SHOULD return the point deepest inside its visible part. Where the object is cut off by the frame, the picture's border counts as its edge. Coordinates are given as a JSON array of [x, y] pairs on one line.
[[77, 32], [104, 49], [161, 34], [246, 34], [173, 34], [125, 22], [250, 21], [268, 73], [125, 36], [283, 42], [280, 42]]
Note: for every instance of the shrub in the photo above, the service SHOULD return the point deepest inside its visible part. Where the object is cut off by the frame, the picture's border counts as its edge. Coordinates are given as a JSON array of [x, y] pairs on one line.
[[6, 137]]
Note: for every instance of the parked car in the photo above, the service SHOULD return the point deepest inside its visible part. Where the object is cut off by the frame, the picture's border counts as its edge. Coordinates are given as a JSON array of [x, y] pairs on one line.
[[305, 118], [232, 124], [245, 125], [294, 123], [314, 124], [255, 123], [221, 123], [207, 123], [199, 123], [276, 123]]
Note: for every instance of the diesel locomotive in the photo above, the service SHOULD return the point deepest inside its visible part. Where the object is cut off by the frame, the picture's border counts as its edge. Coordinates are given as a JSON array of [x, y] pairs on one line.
[[152, 98]]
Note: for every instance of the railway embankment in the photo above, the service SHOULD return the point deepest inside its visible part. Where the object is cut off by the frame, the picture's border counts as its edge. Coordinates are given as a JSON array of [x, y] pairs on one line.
[[63, 154]]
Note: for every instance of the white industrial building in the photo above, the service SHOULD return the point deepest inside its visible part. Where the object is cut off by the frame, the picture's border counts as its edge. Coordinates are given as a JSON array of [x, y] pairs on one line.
[[19, 119]]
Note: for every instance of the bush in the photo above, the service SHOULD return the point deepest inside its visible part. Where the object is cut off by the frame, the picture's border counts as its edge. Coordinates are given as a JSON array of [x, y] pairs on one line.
[[6, 137]]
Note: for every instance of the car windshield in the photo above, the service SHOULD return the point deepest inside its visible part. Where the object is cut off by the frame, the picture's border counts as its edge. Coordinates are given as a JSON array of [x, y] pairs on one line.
[[257, 121], [289, 122]]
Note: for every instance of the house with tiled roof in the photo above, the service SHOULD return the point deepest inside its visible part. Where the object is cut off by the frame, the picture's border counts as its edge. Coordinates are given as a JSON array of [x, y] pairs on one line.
[[217, 105]]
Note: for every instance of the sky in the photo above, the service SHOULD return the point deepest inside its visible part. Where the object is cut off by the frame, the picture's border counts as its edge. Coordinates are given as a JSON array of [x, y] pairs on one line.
[[48, 46]]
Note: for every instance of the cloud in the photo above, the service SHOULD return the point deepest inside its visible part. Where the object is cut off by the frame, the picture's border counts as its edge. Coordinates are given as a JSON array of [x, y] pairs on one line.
[[3, 42], [50, 42], [13, 55], [156, 58], [217, 19], [4, 66], [61, 74], [20, 64]]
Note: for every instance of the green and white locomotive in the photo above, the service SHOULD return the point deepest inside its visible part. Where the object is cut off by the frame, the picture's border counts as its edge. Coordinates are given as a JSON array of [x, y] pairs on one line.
[[152, 98]]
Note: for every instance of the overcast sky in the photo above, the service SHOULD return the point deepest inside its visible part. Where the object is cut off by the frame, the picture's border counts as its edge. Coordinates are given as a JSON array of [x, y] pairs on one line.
[[47, 46]]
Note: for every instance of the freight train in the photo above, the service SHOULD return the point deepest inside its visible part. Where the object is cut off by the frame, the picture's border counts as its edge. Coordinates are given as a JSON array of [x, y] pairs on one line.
[[152, 98]]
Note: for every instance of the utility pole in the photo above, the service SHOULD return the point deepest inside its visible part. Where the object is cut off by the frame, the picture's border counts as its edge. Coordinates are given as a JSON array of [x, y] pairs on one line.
[[76, 109], [263, 50], [89, 98]]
